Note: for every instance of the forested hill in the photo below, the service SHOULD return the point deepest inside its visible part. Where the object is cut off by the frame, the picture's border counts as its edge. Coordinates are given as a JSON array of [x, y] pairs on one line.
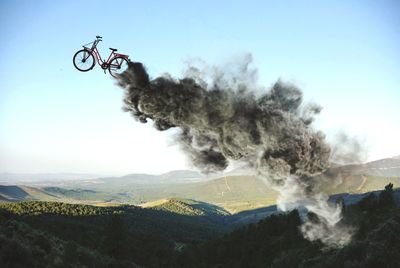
[[187, 207], [53, 234], [187, 233], [277, 242]]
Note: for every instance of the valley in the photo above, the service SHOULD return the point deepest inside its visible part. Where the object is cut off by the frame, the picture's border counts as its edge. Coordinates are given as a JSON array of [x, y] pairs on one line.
[[234, 192]]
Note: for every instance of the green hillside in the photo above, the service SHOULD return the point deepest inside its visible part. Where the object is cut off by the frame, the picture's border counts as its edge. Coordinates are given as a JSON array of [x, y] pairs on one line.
[[188, 207], [277, 242], [233, 193], [187, 233], [147, 234], [241, 193]]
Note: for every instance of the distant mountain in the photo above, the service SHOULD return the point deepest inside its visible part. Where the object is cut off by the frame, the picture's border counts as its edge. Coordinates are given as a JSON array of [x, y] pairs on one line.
[[366, 177], [17, 178], [387, 167], [233, 192], [176, 176], [182, 176]]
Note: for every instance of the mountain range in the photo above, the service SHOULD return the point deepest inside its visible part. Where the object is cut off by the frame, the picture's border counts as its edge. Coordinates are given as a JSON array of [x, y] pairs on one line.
[[231, 191]]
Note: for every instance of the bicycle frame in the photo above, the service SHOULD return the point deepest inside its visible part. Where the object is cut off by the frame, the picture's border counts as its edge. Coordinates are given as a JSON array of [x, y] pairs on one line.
[[96, 53], [100, 61], [85, 59]]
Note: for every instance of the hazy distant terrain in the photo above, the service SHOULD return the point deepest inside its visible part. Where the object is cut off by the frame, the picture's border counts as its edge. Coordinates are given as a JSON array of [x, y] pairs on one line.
[[20, 178], [387, 167], [232, 192]]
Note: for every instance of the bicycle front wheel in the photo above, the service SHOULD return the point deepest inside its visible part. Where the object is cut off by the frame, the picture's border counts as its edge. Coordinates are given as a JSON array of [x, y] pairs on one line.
[[117, 66], [84, 60]]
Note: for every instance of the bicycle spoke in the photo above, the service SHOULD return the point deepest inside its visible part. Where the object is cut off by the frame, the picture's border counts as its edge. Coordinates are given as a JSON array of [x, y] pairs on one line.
[[84, 60], [117, 66]]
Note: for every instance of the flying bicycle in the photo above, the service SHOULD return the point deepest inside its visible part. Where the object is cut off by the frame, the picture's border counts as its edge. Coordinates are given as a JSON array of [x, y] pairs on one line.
[[85, 59]]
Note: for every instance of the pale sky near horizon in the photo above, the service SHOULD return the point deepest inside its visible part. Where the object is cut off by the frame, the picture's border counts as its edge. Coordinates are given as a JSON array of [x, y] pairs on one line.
[[344, 55]]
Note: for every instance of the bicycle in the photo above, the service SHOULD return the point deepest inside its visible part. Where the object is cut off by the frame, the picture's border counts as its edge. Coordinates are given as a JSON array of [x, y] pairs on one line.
[[85, 59]]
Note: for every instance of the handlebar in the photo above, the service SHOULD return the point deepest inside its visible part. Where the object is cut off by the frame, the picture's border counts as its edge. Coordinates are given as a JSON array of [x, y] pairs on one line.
[[94, 43]]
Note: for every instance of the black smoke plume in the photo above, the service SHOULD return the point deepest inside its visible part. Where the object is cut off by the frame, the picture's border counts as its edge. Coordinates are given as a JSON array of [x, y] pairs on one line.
[[225, 115]]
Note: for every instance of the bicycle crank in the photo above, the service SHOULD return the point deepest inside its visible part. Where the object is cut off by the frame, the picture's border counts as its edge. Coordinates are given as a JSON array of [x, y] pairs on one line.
[[104, 66]]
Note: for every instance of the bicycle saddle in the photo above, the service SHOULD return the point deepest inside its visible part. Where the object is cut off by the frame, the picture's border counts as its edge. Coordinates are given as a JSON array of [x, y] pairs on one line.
[[113, 49]]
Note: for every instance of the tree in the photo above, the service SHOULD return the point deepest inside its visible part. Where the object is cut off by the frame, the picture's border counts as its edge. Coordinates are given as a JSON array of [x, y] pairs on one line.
[[386, 196]]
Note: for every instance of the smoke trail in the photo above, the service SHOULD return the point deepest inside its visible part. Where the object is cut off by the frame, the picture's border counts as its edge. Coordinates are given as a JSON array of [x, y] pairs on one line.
[[222, 118]]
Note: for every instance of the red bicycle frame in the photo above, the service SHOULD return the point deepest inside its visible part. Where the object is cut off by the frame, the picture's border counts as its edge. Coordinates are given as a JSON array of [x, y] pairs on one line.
[[96, 53], [100, 61]]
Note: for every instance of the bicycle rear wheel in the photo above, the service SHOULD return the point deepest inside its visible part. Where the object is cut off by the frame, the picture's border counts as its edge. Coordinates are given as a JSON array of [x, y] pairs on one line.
[[84, 60], [117, 66]]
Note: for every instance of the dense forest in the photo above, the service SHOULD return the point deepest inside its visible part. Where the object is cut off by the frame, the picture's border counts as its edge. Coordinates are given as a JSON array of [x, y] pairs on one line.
[[128, 234], [277, 242], [51, 234]]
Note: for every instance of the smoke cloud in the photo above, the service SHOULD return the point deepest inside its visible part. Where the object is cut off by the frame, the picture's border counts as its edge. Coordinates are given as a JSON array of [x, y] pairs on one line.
[[224, 115]]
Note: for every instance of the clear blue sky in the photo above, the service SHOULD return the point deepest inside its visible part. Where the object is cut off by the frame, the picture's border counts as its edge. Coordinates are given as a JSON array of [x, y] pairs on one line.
[[344, 55]]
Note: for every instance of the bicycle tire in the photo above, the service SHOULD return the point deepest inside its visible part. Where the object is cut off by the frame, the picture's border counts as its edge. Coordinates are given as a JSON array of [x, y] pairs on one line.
[[82, 62], [117, 66]]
